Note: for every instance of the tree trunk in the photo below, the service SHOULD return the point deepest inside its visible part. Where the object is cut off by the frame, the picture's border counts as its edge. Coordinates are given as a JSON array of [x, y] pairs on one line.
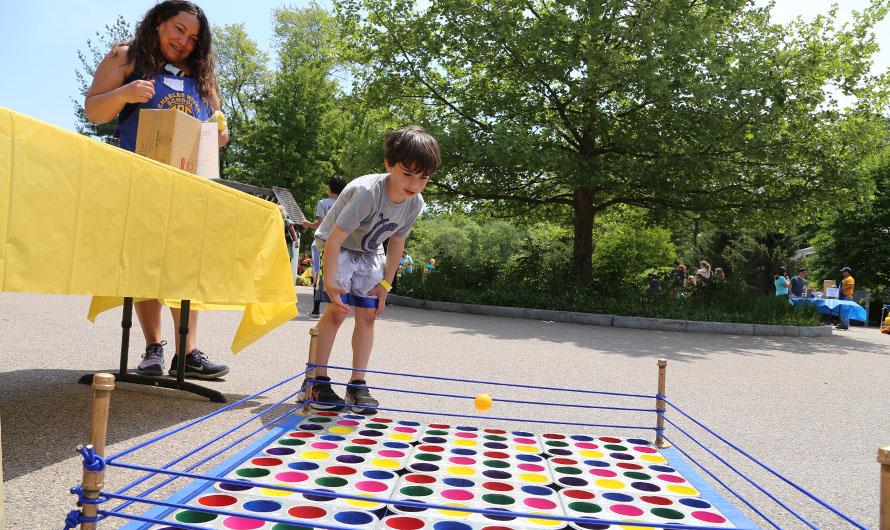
[[583, 247]]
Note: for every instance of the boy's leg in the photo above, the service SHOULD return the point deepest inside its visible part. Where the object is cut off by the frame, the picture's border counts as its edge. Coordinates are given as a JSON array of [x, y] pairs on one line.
[[322, 392], [359, 396]]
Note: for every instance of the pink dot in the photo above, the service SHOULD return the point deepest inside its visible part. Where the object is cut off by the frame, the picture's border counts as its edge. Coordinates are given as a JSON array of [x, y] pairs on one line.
[[390, 453], [524, 441], [709, 517], [539, 504], [466, 435], [530, 467], [291, 476], [404, 429], [603, 473], [672, 478], [645, 450], [457, 495], [370, 485], [324, 445], [586, 445], [626, 509], [240, 523], [348, 423], [462, 460]]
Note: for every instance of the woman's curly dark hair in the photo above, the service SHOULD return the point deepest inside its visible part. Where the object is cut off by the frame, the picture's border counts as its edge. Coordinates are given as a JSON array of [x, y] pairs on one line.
[[145, 50]]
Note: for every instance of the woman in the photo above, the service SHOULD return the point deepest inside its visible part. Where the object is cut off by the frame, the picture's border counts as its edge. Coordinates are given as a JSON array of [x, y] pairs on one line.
[[782, 282], [719, 274], [704, 269], [169, 64]]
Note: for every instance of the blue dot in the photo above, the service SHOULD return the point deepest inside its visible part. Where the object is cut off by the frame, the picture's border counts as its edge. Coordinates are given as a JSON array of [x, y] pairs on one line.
[[378, 474], [332, 438], [581, 438], [617, 497], [303, 466], [261, 506], [638, 441], [695, 503], [663, 469], [409, 423], [596, 463], [523, 433], [396, 445], [353, 518], [460, 451], [459, 482], [467, 429], [354, 417], [451, 525], [537, 490], [529, 458]]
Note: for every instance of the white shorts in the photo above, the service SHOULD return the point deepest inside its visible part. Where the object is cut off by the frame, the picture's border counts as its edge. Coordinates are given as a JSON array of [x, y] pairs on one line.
[[358, 272]]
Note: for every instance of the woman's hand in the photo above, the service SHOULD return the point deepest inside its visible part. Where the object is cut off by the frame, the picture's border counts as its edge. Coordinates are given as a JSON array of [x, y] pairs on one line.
[[138, 91]]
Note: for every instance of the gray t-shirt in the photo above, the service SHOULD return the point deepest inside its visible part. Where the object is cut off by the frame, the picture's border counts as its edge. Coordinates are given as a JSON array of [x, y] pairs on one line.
[[324, 206], [365, 212]]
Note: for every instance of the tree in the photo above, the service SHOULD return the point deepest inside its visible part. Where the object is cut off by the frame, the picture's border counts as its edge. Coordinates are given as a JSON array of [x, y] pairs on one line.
[[693, 107], [116, 33]]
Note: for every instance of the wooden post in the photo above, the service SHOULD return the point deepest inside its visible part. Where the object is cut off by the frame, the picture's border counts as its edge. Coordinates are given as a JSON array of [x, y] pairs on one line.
[[884, 460], [313, 348], [659, 405], [103, 384]]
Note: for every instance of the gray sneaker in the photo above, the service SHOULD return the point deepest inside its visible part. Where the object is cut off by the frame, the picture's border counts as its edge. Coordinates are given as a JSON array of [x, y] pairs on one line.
[[359, 397], [198, 366], [153, 360]]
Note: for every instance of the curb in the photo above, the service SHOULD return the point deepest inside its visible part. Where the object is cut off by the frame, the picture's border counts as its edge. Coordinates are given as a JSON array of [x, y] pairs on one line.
[[618, 321]]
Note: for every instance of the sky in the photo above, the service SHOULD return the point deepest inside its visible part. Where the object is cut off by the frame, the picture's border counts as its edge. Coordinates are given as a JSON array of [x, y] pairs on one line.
[[39, 40]]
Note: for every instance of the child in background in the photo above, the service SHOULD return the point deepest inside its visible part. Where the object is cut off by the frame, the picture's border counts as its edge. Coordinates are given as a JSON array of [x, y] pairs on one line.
[[335, 187], [355, 271]]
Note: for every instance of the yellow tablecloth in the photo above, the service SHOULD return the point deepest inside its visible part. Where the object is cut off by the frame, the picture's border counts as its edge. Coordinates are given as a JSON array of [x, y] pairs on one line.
[[81, 217]]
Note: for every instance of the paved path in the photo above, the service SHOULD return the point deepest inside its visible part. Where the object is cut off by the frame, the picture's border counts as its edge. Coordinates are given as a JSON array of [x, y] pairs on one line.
[[814, 409]]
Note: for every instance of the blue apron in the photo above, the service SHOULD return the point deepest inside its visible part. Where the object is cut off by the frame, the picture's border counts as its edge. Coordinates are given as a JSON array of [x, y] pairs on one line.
[[171, 92]]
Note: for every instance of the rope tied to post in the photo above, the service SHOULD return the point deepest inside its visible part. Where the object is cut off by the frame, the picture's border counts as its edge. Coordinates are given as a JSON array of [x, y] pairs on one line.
[[91, 461], [75, 518], [81, 500]]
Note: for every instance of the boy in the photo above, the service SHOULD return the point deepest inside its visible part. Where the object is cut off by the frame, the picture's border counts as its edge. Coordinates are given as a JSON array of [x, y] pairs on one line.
[[355, 271], [335, 188]]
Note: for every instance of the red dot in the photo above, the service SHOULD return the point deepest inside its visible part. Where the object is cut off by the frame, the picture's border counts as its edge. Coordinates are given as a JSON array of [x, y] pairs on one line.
[[307, 512], [323, 413], [496, 454], [301, 434], [405, 523], [610, 440], [381, 420], [566, 461], [420, 479], [266, 462], [364, 441], [627, 465], [554, 436], [217, 500], [438, 426], [431, 448], [495, 431], [652, 499], [340, 470], [497, 486], [578, 494]]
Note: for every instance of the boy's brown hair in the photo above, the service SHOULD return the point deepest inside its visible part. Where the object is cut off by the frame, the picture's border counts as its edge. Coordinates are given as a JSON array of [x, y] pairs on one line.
[[415, 148]]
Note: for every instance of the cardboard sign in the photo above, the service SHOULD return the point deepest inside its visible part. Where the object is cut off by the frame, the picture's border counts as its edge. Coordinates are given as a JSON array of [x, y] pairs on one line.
[[179, 140]]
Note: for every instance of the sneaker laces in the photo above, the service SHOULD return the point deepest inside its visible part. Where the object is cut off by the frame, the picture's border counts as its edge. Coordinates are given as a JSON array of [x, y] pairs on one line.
[[154, 350], [360, 391], [198, 355]]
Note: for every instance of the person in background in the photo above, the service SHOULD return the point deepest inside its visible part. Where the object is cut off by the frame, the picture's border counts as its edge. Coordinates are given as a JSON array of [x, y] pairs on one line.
[[335, 188], [290, 237], [677, 280], [846, 293], [406, 263], [432, 266], [704, 269], [168, 64], [781, 282], [718, 274], [799, 284], [654, 283]]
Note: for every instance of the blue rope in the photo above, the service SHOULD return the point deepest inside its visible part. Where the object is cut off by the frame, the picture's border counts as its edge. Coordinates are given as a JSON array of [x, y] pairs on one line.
[[203, 418], [91, 461], [75, 518], [493, 383], [764, 466], [81, 500]]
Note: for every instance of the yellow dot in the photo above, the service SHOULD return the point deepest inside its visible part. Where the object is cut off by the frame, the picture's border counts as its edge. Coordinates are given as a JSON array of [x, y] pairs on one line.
[[546, 522], [364, 504], [682, 490], [341, 430], [460, 470], [455, 513], [590, 454], [653, 458], [636, 527], [526, 448], [400, 436], [609, 484], [534, 477], [277, 493], [385, 463], [483, 402], [314, 455], [465, 443]]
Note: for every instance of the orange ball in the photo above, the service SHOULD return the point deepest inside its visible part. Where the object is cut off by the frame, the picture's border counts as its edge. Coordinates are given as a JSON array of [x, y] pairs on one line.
[[483, 402]]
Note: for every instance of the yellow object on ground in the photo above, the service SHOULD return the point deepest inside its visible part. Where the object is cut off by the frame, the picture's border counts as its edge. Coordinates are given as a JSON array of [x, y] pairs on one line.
[[82, 217]]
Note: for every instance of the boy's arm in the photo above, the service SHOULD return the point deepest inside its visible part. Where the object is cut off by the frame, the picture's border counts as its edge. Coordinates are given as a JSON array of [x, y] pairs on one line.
[[393, 255], [315, 225], [331, 259]]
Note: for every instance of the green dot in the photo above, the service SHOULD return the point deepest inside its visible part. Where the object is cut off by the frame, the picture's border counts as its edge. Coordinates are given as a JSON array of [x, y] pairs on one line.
[[319, 419], [585, 507], [556, 443], [567, 470], [357, 449], [191, 516], [667, 513], [252, 472], [638, 476], [613, 447], [495, 498], [282, 526], [416, 491], [331, 482], [376, 426], [290, 441], [496, 463], [427, 457], [437, 432], [494, 438]]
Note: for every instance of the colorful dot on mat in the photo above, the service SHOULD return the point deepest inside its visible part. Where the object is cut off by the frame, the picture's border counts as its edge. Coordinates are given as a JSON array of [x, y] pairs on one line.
[[605, 473], [378, 474], [466, 443], [391, 453], [371, 432], [496, 454], [653, 458], [261, 506], [614, 447], [451, 525], [534, 477], [349, 459], [282, 526], [405, 429], [638, 441], [617, 497], [323, 445], [438, 426], [307, 512], [636, 527], [496, 474], [434, 440], [540, 491], [628, 465], [463, 460], [430, 448], [341, 430], [667, 513], [495, 437], [647, 450], [326, 413], [301, 435], [405, 523], [463, 451], [579, 494], [417, 478], [437, 432], [495, 431], [385, 463], [695, 503], [252, 472], [320, 420], [591, 454], [291, 476], [540, 504], [409, 423], [643, 476], [499, 499], [533, 468], [314, 455], [682, 490], [290, 442], [371, 486], [709, 517], [564, 461], [353, 518], [340, 470], [654, 499], [240, 523], [497, 486], [627, 510], [233, 487], [585, 507], [466, 435], [424, 467], [347, 423], [457, 494], [646, 486], [312, 427], [314, 497], [663, 469], [217, 500], [277, 493], [559, 452], [546, 522], [454, 513], [279, 451], [581, 438], [459, 482], [461, 470], [497, 528], [672, 478], [303, 466], [416, 491], [495, 445], [364, 504], [586, 445], [396, 445], [354, 417], [610, 440], [610, 484], [482, 402], [526, 448], [500, 464], [428, 457], [523, 440], [376, 426], [331, 482], [361, 449], [266, 461], [382, 420], [364, 441], [530, 458], [556, 443], [575, 482]]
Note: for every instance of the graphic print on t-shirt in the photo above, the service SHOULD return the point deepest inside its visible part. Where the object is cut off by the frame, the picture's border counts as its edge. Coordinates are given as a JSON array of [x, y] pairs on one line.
[[371, 240]]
